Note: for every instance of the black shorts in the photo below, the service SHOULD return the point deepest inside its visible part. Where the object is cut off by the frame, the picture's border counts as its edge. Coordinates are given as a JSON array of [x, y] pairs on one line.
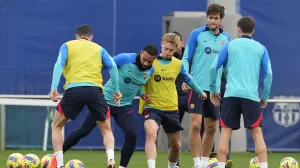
[[76, 98], [204, 107], [168, 119], [233, 107]]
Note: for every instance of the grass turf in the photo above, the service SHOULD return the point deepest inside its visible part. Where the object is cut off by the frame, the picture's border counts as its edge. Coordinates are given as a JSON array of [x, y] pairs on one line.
[[97, 159]]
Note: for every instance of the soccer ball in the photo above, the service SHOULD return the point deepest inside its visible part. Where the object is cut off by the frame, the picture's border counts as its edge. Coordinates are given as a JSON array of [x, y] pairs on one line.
[[14, 160], [254, 163], [45, 161], [74, 164], [212, 163], [30, 161], [288, 162]]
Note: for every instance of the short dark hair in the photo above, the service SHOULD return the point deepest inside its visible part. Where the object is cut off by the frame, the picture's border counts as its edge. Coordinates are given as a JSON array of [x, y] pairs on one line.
[[151, 49], [216, 8], [84, 30], [178, 34], [246, 24]]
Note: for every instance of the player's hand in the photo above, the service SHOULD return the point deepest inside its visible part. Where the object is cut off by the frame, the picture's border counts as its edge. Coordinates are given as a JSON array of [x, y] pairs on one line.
[[215, 99], [146, 98], [203, 96], [117, 98], [54, 95], [263, 103], [185, 87]]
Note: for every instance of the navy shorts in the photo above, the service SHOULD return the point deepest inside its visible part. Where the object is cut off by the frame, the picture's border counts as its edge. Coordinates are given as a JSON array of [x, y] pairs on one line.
[[168, 119], [76, 98], [233, 107], [203, 107]]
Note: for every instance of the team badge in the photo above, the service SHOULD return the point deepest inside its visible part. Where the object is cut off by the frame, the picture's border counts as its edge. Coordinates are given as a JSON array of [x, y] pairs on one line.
[[222, 42], [286, 114], [145, 76], [192, 106]]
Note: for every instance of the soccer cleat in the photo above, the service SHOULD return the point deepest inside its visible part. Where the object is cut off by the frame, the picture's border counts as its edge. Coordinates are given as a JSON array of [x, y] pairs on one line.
[[53, 162], [229, 164], [111, 164], [176, 167], [212, 155]]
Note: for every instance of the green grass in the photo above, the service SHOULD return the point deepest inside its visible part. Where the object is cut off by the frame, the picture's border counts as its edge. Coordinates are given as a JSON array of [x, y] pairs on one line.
[[97, 159]]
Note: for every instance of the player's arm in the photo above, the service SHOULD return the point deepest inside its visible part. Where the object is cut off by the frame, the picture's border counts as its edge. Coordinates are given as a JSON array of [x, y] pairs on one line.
[[190, 49], [112, 68], [189, 81], [267, 74], [121, 59], [220, 61], [59, 66]]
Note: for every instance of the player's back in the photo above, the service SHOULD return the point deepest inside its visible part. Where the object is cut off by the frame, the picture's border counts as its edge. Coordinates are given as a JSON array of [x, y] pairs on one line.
[[84, 62], [242, 69]]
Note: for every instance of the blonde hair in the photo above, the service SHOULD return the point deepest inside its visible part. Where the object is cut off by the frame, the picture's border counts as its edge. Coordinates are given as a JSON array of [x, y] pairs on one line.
[[172, 38]]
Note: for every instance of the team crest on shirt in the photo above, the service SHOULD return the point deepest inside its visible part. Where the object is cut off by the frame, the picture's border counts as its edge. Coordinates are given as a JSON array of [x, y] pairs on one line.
[[192, 106], [222, 42], [286, 114], [145, 76]]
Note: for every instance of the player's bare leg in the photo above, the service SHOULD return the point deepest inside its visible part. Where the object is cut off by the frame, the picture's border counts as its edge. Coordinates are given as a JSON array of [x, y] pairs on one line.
[[57, 125], [260, 146], [194, 137], [151, 129], [210, 126], [175, 146], [224, 146], [108, 141]]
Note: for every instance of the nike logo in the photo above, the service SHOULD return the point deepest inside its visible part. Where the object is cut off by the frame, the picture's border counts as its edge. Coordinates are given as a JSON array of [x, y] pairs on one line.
[[129, 71], [163, 69], [205, 41]]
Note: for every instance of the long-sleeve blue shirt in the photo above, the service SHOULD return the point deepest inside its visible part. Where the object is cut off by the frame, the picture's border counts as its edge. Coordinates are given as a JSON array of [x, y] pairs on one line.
[[200, 52], [242, 59], [131, 78]]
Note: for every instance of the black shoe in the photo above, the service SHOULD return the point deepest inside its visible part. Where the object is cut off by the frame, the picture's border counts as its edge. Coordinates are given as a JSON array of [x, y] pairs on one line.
[[212, 155], [229, 164]]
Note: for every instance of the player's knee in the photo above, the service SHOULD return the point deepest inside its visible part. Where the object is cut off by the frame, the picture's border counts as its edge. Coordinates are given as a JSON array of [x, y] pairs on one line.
[[176, 146], [256, 133], [84, 131], [151, 135], [131, 136], [195, 126], [210, 128], [55, 125]]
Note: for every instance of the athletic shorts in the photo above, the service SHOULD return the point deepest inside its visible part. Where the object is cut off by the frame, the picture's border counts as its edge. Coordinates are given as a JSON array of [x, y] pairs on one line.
[[203, 107], [76, 98], [233, 107], [168, 119]]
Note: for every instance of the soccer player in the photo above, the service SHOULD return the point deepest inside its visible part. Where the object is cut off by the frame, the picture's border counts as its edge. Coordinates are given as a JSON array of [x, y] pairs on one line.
[[163, 107], [81, 63], [183, 95], [134, 71], [242, 59], [202, 48]]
